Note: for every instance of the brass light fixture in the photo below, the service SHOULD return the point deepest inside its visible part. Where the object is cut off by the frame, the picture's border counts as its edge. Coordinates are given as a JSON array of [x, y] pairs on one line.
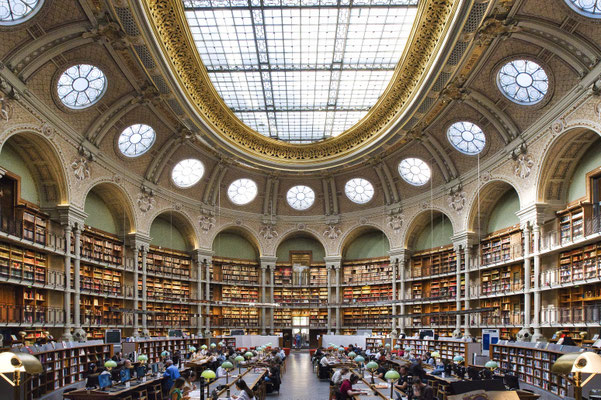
[[578, 364], [16, 364]]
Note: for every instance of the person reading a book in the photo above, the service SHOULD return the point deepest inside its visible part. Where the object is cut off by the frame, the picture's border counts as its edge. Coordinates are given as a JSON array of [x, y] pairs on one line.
[[246, 393], [346, 389]]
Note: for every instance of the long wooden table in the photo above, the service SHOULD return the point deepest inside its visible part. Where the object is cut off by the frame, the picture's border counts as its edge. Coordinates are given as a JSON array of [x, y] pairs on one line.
[[114, 392], [253, 380]]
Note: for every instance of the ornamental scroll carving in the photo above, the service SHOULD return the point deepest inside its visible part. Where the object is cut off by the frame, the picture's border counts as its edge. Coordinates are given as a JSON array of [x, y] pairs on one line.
[[332, 232], [146, 200], [167, 20], [268, 232]]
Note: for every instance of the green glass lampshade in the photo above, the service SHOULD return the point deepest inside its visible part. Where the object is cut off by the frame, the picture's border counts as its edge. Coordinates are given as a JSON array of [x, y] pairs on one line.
[[435, 354], [392, 375], [397, 346], [352, 355], [110, 364], [208, 374], [491, 365], [221, 344], [458, 359], [213, 345], [248, 354], [227, 365], [408, 348], [204, 347], [341, 349], [239, 358], [165, 354], [359, 359], [372, 366], [142, 358], [192, 349], [387, 345]]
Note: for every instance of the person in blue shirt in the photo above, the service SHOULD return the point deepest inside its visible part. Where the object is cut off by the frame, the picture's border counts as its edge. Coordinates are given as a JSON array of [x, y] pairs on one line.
[[170, 375]]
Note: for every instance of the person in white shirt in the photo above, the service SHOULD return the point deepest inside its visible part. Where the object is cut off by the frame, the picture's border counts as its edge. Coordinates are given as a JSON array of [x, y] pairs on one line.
[[282, 354], [221, 372], [324, 361], [245, 392], [339, 376], [368, 352]]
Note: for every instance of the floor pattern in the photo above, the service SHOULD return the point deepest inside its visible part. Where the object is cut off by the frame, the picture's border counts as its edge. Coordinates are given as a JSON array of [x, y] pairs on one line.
[[300, 381]]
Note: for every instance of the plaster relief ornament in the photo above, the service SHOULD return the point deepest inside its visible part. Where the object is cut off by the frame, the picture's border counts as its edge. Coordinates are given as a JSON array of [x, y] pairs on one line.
[[81, 169], [332, 232], [268, 232], [6, 109], [395, 222], [206, 221], [301, 227], [523, 165], [146, 200], [47, 130], [485, 176], [456, 199]]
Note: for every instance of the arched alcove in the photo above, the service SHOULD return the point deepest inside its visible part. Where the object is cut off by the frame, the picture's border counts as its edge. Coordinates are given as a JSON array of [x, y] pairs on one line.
[[429, 229], [365, 242], [109, 209], [235, 243], [494, 208], [174, 231], [301, 241]]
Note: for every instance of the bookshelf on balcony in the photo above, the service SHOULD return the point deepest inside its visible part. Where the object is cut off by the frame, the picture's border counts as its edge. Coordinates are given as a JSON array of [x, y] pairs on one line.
[[101, 311], [34, 305], [235, 317], [367, 293], [436, 289], [501, 246], [292, 295], [508, 310], [63, 367], [160, 289], [580, 305], [99, 280], [572, 221], [99, 246], [442, 260], [163, 317], [282, 317], [318, 275], [23, 264], [34, 223], [166, 261], [508, 278], [235, 271], [153, 348], [238, 294], [448, 348], [377, 317], [366, 271]]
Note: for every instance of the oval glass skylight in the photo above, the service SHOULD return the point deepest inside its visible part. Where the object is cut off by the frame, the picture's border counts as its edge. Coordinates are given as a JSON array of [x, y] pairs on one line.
[[81, 85], [13, 12], [466, 137], [136, 139], [415, 171], [523, 81], [300, 197], [187, 173], [300, 71], [588, 8], [242, 191], [359, 190]]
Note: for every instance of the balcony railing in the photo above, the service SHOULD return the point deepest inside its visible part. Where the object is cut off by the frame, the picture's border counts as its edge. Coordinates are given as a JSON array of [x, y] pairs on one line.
[[11, 314], [590, 314]]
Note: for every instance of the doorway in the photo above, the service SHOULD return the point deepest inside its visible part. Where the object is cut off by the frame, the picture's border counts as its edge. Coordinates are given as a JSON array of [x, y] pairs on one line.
[[300, 332]]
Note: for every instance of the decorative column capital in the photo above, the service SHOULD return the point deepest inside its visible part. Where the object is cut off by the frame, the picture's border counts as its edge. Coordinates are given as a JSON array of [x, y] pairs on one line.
[[333, 261], [535, 214], [203, 256], [268, 261], [399, 255], [138, 241], [464, 240], [72, 216]]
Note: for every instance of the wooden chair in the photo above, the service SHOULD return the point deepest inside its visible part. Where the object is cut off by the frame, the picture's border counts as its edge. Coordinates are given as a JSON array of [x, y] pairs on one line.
[[155, 392], [141, 394]]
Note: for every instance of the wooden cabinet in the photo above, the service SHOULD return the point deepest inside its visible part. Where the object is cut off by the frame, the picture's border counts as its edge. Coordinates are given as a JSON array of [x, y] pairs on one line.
[[572, 222]]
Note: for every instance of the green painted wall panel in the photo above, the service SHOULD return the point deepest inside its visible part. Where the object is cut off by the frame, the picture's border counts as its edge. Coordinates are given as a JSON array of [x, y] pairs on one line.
[[503, 213], [283, 252], [99, 215], [435, 234], [164, 234], [13, 162], [368, 245], [231, 245], [588, 162]]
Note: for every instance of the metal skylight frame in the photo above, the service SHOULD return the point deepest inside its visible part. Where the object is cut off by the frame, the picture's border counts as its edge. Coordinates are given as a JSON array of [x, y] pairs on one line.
[[300, 70]]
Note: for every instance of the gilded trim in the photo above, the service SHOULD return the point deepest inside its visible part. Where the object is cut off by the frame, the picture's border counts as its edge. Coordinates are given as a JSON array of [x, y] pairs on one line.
[[167, 20]]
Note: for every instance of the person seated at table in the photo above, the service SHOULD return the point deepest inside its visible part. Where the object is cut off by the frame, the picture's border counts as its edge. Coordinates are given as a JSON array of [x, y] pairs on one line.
[[429, 359], [381, 371], [324, 368], [346, 388], [118, 357], [281, 353], [221, 372], [190, 377], [417, 369], [317, 356], [339, 376], [92, 376], [246, 393], [177, 391], [171, 374], [421, 391], [404, 382], [276, 356], [368, 353], [273, 377]]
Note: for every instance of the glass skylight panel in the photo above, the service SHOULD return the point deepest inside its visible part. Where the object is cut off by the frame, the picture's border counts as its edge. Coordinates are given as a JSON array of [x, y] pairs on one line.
[[589, 8], [523, 81], [14, 12], [318, 63], [81, 85]]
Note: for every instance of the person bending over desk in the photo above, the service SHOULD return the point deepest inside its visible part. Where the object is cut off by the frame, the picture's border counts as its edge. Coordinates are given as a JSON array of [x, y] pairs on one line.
[[421, 391], [346, 389], [177, 391], [245, 392], [404, 382]]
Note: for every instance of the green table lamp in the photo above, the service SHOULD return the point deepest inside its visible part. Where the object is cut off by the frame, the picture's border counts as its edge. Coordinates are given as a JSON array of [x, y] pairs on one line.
[[238, 360], [392, 376], [208, 375], [372, 366], [492, 365], [143, 358], [110, 364]]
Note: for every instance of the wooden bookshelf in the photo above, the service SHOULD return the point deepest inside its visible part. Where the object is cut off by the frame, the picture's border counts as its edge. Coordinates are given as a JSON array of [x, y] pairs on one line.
[[580, 304], [101, 311], [290, 295], [572, 222], [434, 321], [154, 347], [502, 246], [448, 349], [439, 288], [160, 289], [436, 261], [235, 317], [508, 311], [23, 264], [63, 367], [282, 275], [100, 246], [166, 261], [235, 271], [503, 279], [282, 317], [100, 280], [531, 365], [358, 294], [318, 275], [34, 224], [34, 305], [367, 317], [374, 343], [166, 316], [238, 294], [366, 271]]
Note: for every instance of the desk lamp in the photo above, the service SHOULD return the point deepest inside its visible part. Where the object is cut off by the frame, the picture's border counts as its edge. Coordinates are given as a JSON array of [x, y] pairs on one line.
[[248, 355], [360, 360], [352, 355], [16, 364], [238, 360], [227, 366], [213, 345], [207, 375], [372, 366], [392, 376], [165, 354], [110, 364], [204, 347], [142, 358], [192, 349], [491, 365], [578, 364]]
